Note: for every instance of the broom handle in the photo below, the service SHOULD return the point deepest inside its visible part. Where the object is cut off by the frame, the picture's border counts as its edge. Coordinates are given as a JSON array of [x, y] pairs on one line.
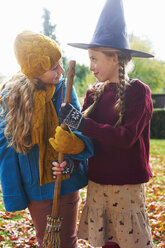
[[68, 95]]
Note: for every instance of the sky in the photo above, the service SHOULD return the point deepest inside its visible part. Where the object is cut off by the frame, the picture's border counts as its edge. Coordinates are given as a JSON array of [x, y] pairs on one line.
[[75, 22]]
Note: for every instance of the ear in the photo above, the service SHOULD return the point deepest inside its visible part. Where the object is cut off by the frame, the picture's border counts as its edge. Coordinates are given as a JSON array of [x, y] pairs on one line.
[[115, 58]]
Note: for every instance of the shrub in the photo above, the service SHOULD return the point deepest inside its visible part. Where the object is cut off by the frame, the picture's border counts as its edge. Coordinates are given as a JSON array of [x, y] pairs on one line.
[[158, 124]]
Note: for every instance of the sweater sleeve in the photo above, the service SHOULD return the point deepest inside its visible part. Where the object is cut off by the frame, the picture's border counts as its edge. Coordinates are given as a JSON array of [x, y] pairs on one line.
[[14, 196], [136, 118], [88, 151]]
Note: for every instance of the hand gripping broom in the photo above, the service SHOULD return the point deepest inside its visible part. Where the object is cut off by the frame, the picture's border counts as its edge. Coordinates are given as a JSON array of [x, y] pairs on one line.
[[52, 232]]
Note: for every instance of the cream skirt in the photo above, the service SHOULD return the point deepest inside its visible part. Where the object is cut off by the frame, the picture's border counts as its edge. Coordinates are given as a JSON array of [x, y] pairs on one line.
[[116, 213]]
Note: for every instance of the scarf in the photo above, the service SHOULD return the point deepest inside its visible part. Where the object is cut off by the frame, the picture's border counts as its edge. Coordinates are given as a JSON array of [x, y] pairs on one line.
[[44, 123]]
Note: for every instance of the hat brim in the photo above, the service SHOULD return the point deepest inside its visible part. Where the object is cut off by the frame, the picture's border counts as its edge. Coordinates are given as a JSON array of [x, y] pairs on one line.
[[133, 53]]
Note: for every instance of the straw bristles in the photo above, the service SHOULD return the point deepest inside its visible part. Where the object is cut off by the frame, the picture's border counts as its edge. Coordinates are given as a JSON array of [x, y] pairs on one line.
[[52, 232]]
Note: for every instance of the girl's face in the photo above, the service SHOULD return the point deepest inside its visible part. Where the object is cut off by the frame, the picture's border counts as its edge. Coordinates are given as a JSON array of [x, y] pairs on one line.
[[53, 76], [104, 67]]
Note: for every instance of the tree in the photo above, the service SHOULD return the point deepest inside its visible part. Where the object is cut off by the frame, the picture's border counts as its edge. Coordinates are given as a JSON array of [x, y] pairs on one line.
[[49, 30], [150, 71], [83, 79]]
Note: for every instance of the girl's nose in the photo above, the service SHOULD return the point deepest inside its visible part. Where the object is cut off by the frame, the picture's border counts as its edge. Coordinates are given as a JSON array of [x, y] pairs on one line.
[[61, 68], [91, 67]]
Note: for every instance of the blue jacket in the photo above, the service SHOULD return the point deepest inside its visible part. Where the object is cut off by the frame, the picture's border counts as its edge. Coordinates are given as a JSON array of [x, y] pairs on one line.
[[19, 173]]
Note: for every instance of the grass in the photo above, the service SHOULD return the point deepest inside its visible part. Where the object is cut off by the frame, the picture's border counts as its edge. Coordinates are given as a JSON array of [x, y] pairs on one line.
[[157, 159], [157, 147]]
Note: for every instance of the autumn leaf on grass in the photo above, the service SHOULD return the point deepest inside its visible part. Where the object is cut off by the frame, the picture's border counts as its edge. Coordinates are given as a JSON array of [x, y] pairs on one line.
[[2, 238]]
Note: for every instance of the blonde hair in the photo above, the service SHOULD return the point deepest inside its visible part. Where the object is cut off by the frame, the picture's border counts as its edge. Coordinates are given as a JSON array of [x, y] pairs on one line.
[[16, 101], [98, 91]]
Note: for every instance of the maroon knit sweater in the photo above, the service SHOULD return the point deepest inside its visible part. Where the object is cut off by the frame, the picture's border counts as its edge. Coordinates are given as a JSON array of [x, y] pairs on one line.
[[121, 155]]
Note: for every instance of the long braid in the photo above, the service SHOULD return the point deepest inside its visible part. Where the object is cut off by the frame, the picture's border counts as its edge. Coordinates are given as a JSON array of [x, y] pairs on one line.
[[120, 105]]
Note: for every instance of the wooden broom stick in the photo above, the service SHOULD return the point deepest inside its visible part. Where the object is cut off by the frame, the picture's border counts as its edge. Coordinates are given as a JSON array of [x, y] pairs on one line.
[[68, 95]]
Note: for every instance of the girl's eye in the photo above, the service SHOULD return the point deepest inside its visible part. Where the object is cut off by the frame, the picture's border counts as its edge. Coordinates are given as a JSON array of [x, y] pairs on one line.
[[55, 68], [93, 59]]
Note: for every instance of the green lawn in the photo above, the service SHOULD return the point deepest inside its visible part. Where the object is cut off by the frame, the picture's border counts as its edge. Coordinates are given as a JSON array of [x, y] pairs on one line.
[[157, 147], [155, 192], [157, 159]]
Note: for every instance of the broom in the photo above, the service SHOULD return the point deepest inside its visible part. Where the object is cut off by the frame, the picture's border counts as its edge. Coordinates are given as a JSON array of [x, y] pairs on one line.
[[52, 232]]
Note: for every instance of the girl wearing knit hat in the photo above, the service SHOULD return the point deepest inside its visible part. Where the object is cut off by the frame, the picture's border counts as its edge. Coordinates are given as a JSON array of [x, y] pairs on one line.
[[29, 106], [116, 114]]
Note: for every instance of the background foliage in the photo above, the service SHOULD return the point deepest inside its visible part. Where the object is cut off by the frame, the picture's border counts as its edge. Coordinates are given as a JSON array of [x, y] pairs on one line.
[[150, 71], [158, 124]]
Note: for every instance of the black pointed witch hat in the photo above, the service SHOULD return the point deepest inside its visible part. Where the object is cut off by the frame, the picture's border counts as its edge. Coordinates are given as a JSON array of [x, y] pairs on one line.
[[111, 31]]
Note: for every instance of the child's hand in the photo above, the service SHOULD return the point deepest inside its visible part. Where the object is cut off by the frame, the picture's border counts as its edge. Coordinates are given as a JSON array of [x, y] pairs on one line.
[[65, 168], [72, 117], [57, 168]]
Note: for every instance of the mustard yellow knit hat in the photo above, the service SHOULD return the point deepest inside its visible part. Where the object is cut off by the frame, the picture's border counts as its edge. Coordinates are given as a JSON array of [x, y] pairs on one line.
[[35, 53]]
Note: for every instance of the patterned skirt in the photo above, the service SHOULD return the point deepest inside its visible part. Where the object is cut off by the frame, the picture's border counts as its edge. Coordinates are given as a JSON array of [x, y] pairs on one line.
[[116, 213]]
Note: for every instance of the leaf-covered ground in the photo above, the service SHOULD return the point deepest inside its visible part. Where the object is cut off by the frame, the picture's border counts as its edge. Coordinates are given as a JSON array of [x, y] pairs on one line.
[[16, 229]]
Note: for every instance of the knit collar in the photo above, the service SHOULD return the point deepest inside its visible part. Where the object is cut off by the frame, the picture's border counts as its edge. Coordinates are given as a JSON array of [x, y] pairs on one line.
[[112, 86]]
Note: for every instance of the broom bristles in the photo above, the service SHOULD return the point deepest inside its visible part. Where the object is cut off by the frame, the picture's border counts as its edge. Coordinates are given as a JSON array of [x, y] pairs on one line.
[[52, 232]]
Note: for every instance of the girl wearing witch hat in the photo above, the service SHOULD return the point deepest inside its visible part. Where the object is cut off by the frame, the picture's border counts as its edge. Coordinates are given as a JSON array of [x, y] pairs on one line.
[[116, 113]]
